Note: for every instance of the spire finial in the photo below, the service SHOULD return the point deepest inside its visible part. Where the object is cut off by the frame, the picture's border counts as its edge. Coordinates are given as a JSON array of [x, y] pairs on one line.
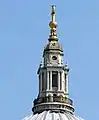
[[53, 25], [53, 13]]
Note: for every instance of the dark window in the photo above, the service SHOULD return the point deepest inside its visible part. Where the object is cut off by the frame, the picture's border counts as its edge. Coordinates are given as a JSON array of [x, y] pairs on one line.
[[54, 58], [54, 95], [39, 82], [42, 81], [65, 82], [54, 79]]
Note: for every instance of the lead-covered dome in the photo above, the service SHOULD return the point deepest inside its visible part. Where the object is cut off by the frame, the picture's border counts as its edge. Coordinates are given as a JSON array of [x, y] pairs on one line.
[[48, 115]]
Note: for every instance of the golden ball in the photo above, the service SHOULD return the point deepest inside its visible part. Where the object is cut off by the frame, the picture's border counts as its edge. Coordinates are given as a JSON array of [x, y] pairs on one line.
[[53, 24]]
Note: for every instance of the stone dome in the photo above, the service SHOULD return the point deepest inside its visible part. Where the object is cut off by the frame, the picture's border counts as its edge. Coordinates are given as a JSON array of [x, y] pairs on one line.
[[48, 115], [53, 46]]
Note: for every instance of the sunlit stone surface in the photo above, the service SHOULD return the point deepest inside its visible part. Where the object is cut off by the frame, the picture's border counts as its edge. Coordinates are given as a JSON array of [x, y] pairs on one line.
[[47, 115]]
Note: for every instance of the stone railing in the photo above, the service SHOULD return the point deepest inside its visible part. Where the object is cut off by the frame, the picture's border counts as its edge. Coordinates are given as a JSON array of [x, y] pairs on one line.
[[53, 99]]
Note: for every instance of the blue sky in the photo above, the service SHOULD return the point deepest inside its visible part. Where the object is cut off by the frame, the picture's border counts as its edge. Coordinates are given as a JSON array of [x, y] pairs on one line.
[[24, 32]]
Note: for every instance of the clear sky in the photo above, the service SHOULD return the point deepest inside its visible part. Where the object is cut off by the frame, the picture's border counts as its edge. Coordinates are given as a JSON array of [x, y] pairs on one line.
[[24, 32]]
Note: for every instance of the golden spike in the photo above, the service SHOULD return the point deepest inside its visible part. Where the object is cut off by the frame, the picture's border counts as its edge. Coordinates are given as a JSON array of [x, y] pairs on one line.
[[53, 24], [53, 13]]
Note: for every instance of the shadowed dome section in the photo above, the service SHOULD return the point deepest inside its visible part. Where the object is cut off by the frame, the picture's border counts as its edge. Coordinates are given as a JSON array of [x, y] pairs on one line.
[[48, 115]]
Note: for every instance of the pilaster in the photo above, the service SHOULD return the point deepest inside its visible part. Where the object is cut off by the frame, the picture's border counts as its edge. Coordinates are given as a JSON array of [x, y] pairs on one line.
[[58, 80]]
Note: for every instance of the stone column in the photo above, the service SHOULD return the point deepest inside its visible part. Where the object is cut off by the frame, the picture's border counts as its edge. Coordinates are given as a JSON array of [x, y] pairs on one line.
[[47, 80], [50, 80], [61, 85], [58, 80]]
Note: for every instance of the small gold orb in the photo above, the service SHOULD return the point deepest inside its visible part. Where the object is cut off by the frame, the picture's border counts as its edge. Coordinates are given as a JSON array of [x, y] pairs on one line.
[[53, 24]]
